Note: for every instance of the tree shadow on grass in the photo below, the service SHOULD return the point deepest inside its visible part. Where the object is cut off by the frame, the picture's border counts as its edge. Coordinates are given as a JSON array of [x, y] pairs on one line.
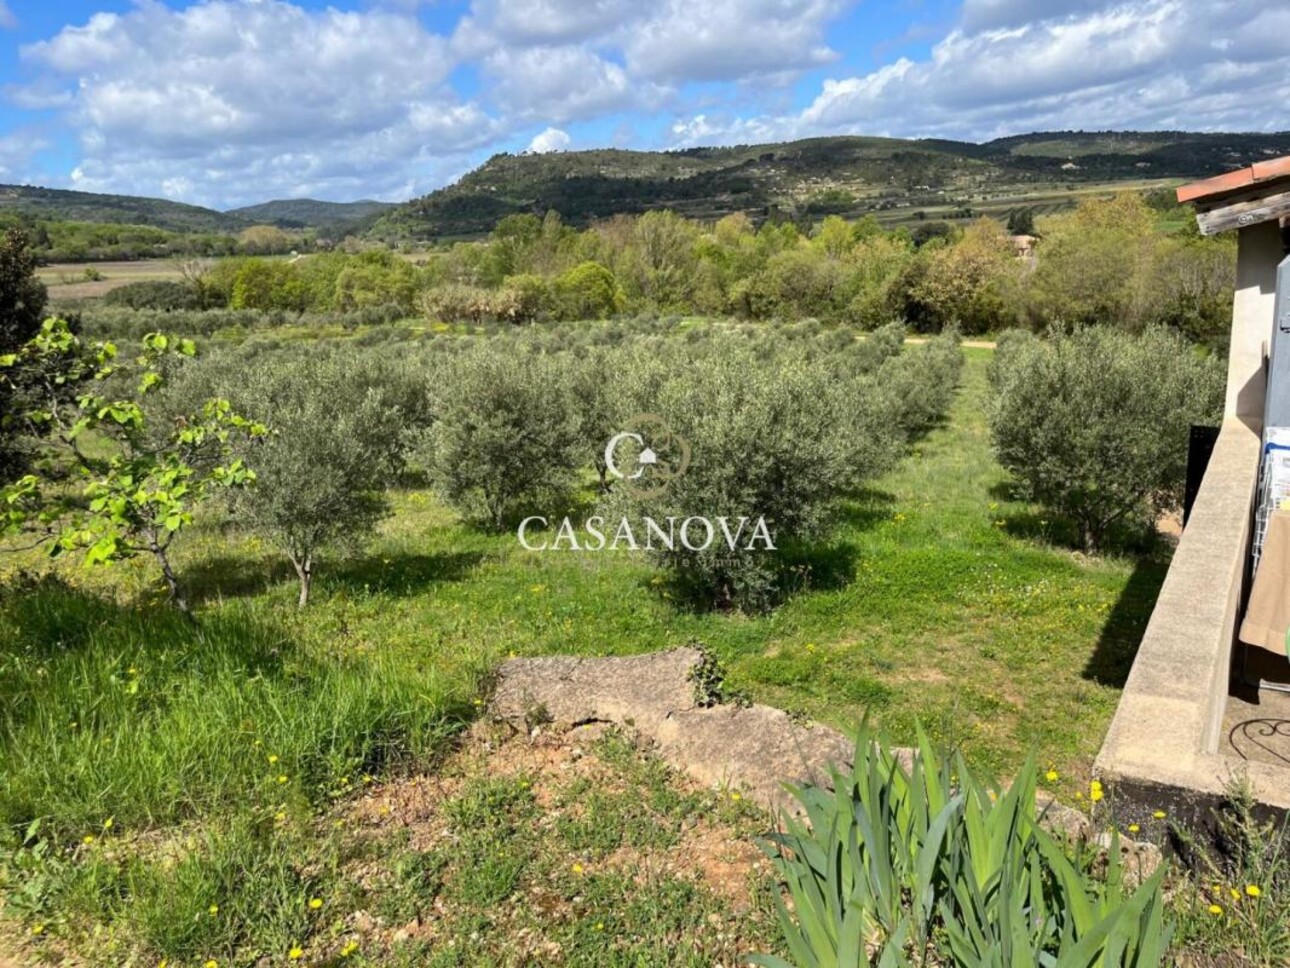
[[1117, 646], [865, 508], [229, 576]]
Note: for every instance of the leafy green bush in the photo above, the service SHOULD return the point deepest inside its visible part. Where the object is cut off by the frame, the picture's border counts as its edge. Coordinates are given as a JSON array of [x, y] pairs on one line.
[[323, 469], [770, 438], [164, 295], [504, 435], [1094, 424], [925, 864]]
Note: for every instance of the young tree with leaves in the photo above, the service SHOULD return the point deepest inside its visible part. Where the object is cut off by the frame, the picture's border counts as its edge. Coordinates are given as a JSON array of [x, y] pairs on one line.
[[139, 486]]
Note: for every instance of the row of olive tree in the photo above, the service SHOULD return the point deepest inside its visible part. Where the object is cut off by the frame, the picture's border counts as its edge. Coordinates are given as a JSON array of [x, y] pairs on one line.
[[1093, 424]]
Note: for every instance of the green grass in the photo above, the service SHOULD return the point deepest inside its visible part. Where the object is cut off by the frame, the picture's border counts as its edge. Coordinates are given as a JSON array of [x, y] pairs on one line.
[[939, 599]]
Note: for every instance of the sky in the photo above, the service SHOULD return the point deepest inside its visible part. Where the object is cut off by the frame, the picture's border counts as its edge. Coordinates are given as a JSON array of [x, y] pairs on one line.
[[230, 102]]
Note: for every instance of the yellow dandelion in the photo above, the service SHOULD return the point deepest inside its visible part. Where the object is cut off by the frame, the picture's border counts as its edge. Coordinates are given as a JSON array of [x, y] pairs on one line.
[[37, 929], [1134, 828], [282, 778], [736, 797], [349, 949], [280, 816], [315, 903], [600, 925], [1051, 776], [1095, 791], [1252, 890], [1215, 909], [87, 839], [273, 758], [296, 953], [211, 963], [1159, 815], [213, 910], [577, 868]]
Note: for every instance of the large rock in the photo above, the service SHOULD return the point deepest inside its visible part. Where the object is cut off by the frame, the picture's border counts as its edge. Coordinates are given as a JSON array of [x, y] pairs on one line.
[[752, 748]]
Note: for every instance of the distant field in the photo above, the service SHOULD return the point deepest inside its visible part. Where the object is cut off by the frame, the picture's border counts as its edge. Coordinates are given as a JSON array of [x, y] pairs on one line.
[[68, 280], [1041, 200]]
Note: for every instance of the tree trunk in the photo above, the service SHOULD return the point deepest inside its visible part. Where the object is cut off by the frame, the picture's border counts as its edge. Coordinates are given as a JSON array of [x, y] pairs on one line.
[[177, 597], [305, 572]]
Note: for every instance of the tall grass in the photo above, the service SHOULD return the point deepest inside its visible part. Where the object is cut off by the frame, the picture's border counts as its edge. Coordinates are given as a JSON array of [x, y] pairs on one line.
[[140, 715]]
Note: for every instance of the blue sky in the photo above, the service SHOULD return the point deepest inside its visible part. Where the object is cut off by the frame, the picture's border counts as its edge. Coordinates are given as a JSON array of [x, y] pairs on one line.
[[229, 102]]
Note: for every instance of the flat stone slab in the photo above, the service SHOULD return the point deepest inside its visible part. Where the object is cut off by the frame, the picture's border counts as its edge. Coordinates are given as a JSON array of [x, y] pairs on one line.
[[752, 748]]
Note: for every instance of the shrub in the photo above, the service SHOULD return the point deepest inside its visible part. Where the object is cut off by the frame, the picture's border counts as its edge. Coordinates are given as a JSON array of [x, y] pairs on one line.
[[1094, 424], [504, 436], [925, 864], [920, 382], [768, 438], [454, 303], [589, 291], [323, 468], [162, 295]]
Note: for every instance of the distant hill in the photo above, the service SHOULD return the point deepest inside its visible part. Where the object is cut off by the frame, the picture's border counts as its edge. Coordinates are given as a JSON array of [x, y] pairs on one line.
[[56, 204], [302, 213], [899, 180]]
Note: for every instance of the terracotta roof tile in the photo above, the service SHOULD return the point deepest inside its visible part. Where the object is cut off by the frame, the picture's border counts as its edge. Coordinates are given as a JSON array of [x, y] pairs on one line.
[[1233, 180]]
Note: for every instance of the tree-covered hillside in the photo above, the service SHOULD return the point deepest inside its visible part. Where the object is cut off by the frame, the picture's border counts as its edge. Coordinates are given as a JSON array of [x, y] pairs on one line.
[[819, 176]]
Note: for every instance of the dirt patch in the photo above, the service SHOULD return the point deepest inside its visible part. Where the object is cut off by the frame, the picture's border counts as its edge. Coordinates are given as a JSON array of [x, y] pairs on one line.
[[578, 788]]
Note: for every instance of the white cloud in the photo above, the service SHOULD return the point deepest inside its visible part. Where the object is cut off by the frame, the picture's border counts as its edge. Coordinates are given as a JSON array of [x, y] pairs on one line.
[[552, 139], [524, 23], [563, 84], [7, 20], [567, 59], [1153, 64], [17, 149], [245, 99], [731, 39]]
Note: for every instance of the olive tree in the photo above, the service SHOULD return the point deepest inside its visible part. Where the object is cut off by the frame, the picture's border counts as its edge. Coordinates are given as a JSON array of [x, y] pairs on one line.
[[504, 436], [323, 470], [1094, 424], [768, 441]]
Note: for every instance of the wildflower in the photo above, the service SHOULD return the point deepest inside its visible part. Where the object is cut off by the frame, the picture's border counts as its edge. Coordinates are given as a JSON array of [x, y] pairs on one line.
[[315, 903], [349, 949], [736, 797], [1215, 909], [1160, 815], [213, 909], [577, 868], [296, 953], [211, 963], [87, 839], [37, 929], [479, 702], [1236, 895], [1051, 776], [1095, 791], [600, 925], [107, 824], [1134, 828], [1252, 890], [273, 758], [280, 816], [282, 778]]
